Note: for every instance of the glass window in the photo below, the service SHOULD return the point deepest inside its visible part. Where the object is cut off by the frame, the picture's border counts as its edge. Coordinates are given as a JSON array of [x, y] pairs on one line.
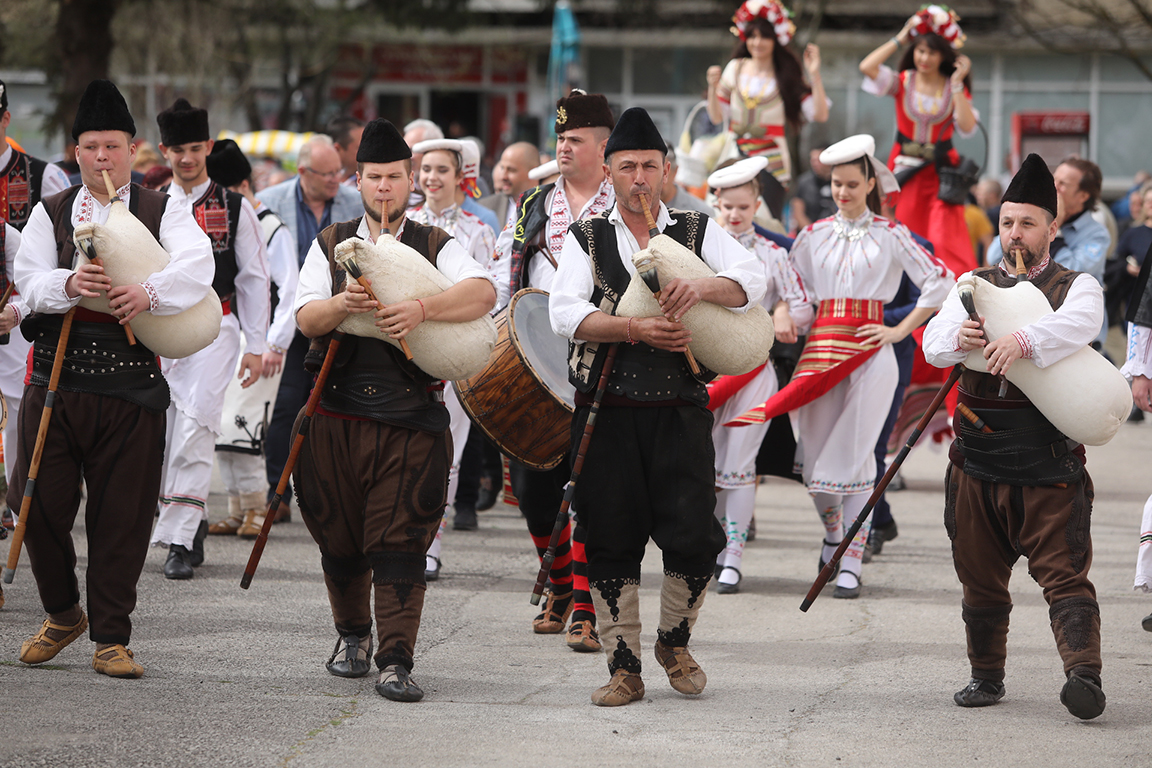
[[678, 71], [1120, 69], [1046, 68], [1123, 128], [605, 68]]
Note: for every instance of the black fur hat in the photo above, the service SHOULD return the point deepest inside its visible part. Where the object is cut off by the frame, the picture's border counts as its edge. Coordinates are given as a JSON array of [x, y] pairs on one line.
[[102, 108], [227, 165], [634, 130], [3, 98], [382, 143], [1033, 184], [583, 110], [183, 123]]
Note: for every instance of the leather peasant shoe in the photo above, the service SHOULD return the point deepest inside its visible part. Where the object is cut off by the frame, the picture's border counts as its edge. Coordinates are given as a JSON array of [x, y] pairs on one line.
[[684, 673], [252, 525], [352, 656], [979, 693], [724, 588], [551, 621], [848, 593], [1082, 696], [583, 637], [396, 683], [50, 640], [224, 527], [624, 688], [116, 661], [197, 554], [179, 563]]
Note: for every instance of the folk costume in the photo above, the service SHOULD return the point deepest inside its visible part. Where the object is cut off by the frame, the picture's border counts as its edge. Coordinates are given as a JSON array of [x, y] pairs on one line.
[[529, 252], [1139, 363], [14, 353], [649, 469], [1024, 491], [108, 423], [842, 387], [199, 381], [730, 396], [24, 180], [372, 475], [753, 108], [241, 442]]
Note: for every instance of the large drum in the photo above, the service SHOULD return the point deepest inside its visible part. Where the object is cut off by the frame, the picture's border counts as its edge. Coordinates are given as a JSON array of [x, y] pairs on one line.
[[522, 399]]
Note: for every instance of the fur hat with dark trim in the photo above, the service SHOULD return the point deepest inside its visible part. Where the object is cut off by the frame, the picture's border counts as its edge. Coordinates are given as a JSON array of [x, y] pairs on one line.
[[102, 108], [1033, 184], [382, 143], [580, 109], [227, 165], [183, 123], [635, 131]]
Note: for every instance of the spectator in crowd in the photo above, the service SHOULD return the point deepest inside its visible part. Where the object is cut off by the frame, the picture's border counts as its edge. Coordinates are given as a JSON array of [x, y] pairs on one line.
[[979, 228], [988, 193], [813, 200], [510, 179], [346, 131], [1120, 207], [147, 158], [415, 132]]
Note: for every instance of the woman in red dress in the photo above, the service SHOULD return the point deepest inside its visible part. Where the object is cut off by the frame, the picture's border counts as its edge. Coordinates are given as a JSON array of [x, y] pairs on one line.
[[933, 97]]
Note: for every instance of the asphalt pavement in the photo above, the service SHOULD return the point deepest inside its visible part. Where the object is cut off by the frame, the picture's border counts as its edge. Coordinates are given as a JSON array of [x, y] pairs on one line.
[[237, 678]]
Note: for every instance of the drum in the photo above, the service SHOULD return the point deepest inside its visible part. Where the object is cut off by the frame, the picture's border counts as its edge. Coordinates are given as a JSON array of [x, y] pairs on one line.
[[522, 399]]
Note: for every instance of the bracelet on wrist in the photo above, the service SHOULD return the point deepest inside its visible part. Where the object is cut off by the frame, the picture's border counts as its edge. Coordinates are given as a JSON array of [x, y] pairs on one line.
[[895, 40], [423, 312], [628, 332]]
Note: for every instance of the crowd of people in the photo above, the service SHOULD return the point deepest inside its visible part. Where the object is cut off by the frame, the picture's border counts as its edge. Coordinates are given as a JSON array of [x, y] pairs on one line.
[[861, 292]]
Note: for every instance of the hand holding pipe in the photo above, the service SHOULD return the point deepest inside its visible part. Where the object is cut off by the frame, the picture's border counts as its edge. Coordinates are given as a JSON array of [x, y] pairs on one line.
[[652, 279], [4, 305], [968, 299]]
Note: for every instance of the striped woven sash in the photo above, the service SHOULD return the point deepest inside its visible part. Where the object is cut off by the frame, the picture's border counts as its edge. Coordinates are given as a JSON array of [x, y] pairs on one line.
[[832, 352]]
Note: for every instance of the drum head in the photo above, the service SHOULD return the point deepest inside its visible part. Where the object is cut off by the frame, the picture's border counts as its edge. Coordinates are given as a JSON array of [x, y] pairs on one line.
[[542, 349]]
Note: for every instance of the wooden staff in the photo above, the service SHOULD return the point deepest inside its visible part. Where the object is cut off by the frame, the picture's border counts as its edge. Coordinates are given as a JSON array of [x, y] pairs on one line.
[[652, 280], [354, 270], [4, 304], [297, 444], [878, 491], [570, 488], [38, 450], [112, 196]]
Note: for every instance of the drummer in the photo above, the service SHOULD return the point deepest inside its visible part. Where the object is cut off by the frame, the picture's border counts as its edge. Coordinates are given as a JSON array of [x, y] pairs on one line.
[[530, 252]]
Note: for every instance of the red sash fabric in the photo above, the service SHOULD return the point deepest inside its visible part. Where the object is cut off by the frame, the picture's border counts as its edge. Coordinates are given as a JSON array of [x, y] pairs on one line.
[[723, 388], [832, 352]]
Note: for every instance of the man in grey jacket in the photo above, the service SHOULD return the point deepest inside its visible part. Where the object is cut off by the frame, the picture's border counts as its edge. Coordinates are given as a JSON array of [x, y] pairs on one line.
[[306, 204]]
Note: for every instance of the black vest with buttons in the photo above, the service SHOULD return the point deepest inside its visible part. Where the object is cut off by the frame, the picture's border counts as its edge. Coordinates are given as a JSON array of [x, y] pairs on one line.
[[641, 372]]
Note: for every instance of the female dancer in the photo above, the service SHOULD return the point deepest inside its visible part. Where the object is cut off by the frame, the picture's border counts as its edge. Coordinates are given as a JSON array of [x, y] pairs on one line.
[[851, 264], [762, 88], [933, 96], [440, 174], [738, 194]]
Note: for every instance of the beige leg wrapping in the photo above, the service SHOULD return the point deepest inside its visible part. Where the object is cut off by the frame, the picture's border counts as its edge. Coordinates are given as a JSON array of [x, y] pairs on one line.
[[234, 520], [680, 600], [617, 604]]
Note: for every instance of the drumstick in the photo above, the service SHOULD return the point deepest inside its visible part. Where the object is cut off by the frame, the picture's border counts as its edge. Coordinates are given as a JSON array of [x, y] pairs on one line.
[[354, 270], [652, 280], [4, 305], [112, 196]]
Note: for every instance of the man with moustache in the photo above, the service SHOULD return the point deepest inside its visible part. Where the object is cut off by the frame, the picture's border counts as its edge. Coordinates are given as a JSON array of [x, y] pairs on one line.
[[372, 474], [198, 382], [648, 472], [1022, 489], [107, 428], [510, 178], [529, 253]]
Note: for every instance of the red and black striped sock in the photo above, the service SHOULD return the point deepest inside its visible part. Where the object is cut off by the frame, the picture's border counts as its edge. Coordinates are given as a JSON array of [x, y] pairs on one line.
[[583, 610], [560, 577]]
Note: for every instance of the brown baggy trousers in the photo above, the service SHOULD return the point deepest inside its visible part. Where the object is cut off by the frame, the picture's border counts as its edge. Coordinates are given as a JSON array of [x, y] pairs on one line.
[[372, 496], [991, 525], [118, 448]]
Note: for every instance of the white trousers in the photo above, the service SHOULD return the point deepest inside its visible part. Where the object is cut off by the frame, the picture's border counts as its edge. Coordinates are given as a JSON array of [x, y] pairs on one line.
[[189, 450]]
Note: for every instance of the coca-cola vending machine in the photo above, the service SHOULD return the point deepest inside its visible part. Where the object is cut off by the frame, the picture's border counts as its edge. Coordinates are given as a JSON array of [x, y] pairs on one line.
[[1052, 135]]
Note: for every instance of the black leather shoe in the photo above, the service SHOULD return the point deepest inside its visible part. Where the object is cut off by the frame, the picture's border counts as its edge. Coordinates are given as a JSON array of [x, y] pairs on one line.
[[979, 693], [1082, 696], [486, 499], [431, 574], [1146, 622], [465, 519], [396, 684], [351, 657], [729, 589], [848, 593], [197, 554], [179, 563]]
